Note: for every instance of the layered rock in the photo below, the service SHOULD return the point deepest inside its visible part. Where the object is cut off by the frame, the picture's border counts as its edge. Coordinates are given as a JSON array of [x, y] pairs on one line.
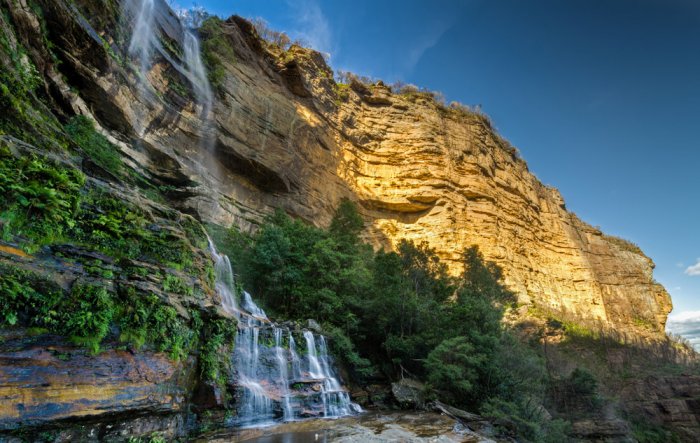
[[45, 380], [285, 137], [283, 134]]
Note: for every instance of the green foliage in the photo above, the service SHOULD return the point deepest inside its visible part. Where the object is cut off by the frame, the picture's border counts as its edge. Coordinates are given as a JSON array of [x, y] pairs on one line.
[[24, 115], [153, 438], [144, 318], [28, 299], [173, 283], [95, 145], [87, 314], [342, 91], [453, 368], [215, 49], [583, 383], [575, 394], [647, 432], [217, 345], [117, 228], [527, 419], [40, 198]]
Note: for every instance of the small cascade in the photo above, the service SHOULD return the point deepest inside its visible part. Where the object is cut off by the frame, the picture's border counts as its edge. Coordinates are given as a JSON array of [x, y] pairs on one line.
[[274, 384], [224, 281], [296, 366], [251, 307], [314, 366], [256, 405], [282, 363]]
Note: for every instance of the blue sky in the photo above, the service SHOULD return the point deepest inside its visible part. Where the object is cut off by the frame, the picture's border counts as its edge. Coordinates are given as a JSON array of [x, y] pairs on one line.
[[602, 97]]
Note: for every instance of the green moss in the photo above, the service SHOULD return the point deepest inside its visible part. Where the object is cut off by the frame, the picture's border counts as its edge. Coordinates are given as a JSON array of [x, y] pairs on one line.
[[143, 318], [173, 283], [95, 145], [217, 345], [25, 116], [27, 299], [215, 49], [342, 92], [87, 314]]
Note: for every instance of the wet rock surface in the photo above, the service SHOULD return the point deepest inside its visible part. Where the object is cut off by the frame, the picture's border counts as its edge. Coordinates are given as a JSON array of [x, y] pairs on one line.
[[370, 427], [44, 380]]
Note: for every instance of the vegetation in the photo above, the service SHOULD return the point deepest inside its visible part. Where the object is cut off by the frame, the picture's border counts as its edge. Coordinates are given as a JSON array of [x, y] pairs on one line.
[[624, 244], [215, 49], [396, 314], [95, 145], [40, 197]]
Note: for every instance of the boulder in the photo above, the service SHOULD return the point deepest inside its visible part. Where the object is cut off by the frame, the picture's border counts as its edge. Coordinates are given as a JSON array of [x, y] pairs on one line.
[[409, 393]]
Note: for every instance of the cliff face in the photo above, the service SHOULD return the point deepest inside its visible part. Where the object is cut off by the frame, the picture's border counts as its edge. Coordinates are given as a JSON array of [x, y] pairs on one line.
[[283, 134], [287, 136]]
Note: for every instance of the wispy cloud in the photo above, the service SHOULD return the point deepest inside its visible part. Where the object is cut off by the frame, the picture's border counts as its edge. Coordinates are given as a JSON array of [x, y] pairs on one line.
[[313, 27], [429, 38], [687, 325], [694, 269]]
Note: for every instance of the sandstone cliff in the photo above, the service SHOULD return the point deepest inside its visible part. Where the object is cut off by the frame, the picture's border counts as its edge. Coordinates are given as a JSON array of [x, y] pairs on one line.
[[286, 135], [282, 134]]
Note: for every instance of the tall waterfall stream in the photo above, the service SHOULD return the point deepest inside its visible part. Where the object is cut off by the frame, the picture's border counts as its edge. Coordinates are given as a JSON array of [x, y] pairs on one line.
[[276, 380]]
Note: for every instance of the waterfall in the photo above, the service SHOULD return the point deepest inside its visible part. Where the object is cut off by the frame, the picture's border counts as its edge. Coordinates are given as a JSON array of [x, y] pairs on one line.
[[251, 307], [336, 401], [145, 42], [282, 362], [196, 73], [296, 366], [224, 282], [143, 38], [314, 366], [274, 384]]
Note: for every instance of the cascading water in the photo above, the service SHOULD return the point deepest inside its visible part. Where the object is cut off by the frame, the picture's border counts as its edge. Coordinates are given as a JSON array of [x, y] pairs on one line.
[[143, 38], [196, 73], [145, 43], [251, 307], [274, 383], [282, 363], [224, 281]]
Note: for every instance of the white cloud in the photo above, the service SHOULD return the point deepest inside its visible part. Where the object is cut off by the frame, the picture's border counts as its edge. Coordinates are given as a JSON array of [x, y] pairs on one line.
[[694, 269], [687, 325]]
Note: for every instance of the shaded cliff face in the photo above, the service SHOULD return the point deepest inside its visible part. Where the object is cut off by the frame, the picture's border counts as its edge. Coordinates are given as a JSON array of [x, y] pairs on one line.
[[283, 134]]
